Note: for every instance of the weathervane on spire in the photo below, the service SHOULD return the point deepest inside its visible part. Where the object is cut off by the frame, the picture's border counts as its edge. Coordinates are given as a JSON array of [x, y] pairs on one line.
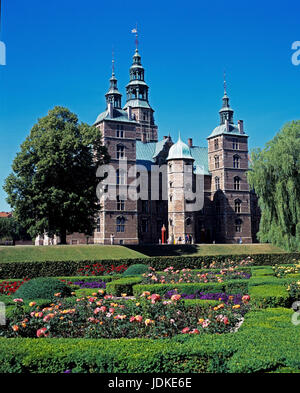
[[113, 61], [225, 92], [135, 31]]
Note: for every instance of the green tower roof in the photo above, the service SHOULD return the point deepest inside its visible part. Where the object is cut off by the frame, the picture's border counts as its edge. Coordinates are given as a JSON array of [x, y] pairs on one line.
[[180, 151]]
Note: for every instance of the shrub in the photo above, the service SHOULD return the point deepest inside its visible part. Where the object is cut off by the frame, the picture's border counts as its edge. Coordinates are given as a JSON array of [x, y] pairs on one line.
[[42, 288], [123, 285], [135, 270], [269, 295]]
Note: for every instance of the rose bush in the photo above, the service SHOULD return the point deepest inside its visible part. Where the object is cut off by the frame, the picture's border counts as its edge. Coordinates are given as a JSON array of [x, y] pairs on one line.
[[101, 316], [97, 269], [170, 275]]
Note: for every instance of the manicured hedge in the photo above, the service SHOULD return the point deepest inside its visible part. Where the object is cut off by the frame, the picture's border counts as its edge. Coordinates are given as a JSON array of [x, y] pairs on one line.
[[123, 285], [231, 287], [269, 295], [266, 342], [70, 268]]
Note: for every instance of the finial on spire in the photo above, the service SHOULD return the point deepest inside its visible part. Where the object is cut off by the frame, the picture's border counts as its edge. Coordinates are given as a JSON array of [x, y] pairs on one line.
[[225, 92], [135, 31], [113, 62]]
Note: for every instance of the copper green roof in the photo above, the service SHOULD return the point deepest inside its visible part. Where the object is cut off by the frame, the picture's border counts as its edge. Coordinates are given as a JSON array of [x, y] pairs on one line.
[[119, 115], [221, 130], [179, 151], [146, 153], [137, 104]]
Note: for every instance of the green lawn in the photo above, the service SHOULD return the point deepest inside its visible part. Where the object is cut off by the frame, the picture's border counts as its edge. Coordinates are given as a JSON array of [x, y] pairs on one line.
[[98, 252], [207, 249], [64, 253]]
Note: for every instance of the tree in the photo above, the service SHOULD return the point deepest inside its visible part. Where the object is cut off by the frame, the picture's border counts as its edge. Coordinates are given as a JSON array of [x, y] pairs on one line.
[[53, 185], [12, 230], [275, 177]]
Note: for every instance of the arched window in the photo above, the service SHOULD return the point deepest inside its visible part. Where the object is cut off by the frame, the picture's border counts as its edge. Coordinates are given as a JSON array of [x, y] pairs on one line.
[[217, 183], [217, 162], [236, 161], [120, 224], [216, 144], [236, 183], [237, 206], [120, 151], [238, 225], [98, 225]]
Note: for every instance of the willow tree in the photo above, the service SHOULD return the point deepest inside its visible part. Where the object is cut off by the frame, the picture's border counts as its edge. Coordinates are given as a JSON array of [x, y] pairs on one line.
[[275, 177], [52, 188]]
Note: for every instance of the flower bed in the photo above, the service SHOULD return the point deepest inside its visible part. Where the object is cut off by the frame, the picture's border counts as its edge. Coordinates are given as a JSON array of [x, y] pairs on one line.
[[99, 316], [170, 275], [98, 269], [282, 271], [90, 284], [10, 287], [236, 299]]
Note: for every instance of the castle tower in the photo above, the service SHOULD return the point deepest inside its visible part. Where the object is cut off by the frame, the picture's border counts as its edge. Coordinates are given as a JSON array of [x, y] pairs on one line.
[[118, 212], [228, 165], [137, 92], [180, 181]]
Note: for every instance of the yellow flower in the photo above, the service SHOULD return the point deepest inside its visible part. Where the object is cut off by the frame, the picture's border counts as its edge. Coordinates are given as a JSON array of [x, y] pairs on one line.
[[124, 294], [236, 306], [201, 320], [137, 304], [31, 304]]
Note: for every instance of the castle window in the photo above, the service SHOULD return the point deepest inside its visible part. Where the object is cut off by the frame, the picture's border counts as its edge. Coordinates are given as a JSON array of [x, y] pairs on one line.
[[217, 163], [121, 176], [216, 144], [236, 161], [238, 225], [120, 203], [217, 183], [98, 225], [145, 206], [120, 151], [188, 221], [145, 226], [236, 183], [120, 131], [235, 144], [120, 224], [237, 206]]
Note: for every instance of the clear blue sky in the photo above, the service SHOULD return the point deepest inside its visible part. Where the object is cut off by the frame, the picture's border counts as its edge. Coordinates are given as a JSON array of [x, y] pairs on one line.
[[59, 53]]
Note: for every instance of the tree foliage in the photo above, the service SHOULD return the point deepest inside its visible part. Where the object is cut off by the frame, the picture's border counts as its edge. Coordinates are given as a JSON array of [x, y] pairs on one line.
[[275, 177], [53, 185]]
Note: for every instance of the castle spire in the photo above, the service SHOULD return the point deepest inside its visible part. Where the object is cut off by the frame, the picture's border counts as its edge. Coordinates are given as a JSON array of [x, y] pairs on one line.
[[113, 95], [226, 113]]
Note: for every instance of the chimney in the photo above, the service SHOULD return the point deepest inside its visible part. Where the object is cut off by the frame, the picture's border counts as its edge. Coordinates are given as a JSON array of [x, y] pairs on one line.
[[241, 126], [227, 125], [110, 110], [143, 137], [129, 113], [190, 142]]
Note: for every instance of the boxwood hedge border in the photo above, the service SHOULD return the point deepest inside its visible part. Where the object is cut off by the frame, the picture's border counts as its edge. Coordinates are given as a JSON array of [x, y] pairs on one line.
[[70, 268]]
